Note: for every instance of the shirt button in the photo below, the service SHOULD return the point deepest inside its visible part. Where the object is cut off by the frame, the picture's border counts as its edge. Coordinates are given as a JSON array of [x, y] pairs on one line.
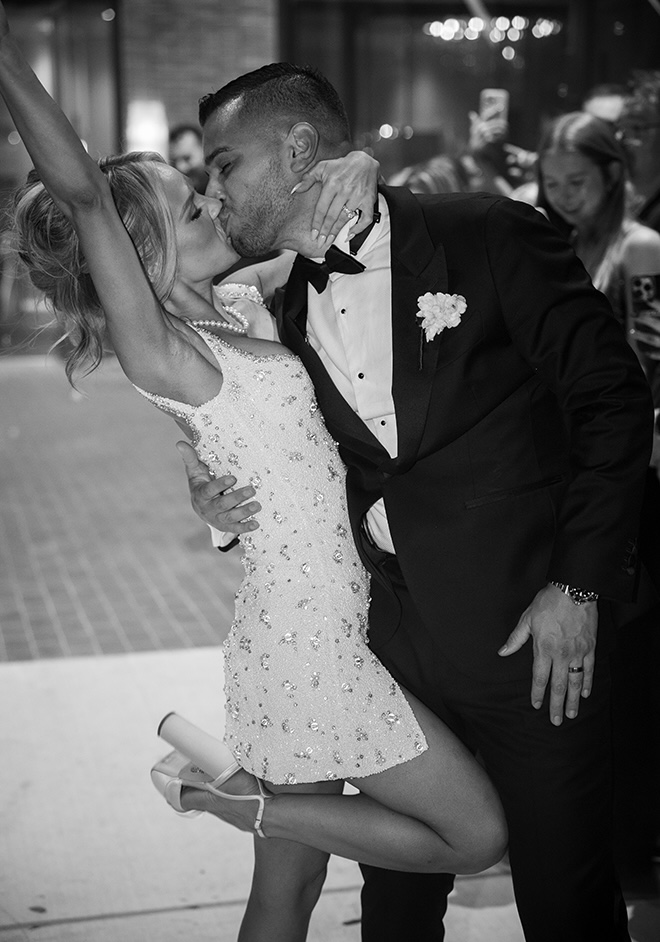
[[360, 375], [383, 422]]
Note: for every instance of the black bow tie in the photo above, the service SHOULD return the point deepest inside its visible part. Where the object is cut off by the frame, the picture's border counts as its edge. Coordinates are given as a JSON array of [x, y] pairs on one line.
[[317, 273]]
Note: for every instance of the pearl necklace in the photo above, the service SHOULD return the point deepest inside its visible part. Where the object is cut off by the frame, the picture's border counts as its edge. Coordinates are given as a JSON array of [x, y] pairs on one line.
[[224, 324]]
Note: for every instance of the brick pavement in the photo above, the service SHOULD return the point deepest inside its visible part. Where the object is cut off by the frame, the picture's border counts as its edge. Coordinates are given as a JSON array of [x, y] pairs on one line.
[[100, 552]]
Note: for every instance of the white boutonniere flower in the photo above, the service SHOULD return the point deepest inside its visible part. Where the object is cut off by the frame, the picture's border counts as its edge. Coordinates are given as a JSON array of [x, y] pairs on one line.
[[439, 311]]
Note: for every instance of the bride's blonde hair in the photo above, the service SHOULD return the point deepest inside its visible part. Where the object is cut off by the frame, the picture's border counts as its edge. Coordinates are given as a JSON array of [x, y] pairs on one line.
[[48, 245]]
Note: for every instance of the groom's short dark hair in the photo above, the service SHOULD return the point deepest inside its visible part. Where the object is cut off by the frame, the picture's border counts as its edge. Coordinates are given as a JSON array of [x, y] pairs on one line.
[[301, 93]]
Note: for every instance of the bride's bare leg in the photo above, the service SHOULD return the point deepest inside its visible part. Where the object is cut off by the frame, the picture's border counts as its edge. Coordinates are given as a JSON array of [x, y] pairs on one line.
[[287, 882], [437, 813], [286, 885]]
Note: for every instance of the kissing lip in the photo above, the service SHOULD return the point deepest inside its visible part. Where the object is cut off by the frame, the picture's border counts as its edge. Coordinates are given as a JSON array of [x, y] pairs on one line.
[[221, 229], [222, 225]]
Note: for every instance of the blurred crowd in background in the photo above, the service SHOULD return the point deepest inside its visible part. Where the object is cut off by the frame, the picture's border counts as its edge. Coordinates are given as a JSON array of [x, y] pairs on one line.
[[448, 95]]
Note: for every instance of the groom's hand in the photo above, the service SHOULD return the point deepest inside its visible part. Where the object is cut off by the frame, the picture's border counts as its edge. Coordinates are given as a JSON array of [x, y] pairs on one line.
[[212, 498], [563, 635]]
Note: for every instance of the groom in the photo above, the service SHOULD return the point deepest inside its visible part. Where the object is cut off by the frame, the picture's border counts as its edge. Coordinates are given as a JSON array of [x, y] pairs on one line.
[[495, 472]]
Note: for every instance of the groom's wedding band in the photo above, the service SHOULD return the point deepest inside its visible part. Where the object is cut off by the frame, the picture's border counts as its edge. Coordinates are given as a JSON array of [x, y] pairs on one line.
[[576, 670], [351, 213]]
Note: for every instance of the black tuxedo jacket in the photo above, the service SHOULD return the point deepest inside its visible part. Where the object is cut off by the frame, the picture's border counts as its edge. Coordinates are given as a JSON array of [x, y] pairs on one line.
[[524, 433]]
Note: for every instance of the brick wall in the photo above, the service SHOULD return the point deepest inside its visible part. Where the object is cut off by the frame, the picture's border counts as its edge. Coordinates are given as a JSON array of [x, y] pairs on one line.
[[176, 50]]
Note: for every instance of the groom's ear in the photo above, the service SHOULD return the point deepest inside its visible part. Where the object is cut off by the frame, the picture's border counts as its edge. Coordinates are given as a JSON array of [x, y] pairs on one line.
[[302, 145]]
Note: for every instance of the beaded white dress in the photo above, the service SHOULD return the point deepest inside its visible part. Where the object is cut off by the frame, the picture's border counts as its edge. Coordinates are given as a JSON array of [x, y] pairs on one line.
[[306, 699]]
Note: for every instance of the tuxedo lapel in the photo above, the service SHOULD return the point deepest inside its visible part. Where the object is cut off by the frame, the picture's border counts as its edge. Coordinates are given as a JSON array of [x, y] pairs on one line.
[[293, 310], [418, 266]]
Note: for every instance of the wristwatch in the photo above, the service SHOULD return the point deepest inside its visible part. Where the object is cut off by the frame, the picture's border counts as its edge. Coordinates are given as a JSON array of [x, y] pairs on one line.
[[578, 596]]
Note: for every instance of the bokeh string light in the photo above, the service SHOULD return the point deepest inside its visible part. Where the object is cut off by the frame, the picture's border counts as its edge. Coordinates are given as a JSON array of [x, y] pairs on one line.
[[496, 30]]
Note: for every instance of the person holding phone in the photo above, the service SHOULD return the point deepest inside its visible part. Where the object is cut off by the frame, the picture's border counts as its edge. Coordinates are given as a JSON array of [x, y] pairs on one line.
[[584, 188], [493, 164]]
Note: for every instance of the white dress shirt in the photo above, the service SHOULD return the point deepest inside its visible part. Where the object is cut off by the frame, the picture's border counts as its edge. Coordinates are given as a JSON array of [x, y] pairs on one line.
[[350, 327]]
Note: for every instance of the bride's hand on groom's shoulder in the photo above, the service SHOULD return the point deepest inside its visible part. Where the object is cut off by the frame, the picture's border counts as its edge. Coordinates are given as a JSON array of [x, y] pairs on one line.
[[347, 184]]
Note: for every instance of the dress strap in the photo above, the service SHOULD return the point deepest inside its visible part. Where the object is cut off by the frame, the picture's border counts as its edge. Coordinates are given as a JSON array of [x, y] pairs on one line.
[[235, 292]]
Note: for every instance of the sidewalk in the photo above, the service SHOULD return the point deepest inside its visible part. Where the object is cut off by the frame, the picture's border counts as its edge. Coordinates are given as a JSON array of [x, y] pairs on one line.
[[112, 609], [92, 854]]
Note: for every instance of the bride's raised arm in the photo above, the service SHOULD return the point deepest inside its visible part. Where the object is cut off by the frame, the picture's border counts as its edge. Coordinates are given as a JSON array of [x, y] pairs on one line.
[[143, 336]]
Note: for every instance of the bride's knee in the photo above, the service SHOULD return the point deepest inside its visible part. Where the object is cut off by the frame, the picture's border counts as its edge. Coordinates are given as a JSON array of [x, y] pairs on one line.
[[296, 887], [309, 889], [485, 845]]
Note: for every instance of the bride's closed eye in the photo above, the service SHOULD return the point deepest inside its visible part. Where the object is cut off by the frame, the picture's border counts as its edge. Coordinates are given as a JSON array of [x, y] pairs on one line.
[[196, 213]]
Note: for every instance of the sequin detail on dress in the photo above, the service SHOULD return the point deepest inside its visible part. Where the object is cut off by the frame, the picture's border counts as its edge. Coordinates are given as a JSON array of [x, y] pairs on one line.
[[306, 699]]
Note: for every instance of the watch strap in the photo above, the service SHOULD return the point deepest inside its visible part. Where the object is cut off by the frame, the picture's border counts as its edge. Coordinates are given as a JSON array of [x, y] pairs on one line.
[[578, 596]]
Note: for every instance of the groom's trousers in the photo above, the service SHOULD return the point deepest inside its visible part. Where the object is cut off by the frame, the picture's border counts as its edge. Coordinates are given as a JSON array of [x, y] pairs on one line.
[[554, 783]]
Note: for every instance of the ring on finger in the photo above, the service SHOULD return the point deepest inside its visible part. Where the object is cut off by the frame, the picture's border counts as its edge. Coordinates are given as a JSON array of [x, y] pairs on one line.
[[351, 213], [576, 670]]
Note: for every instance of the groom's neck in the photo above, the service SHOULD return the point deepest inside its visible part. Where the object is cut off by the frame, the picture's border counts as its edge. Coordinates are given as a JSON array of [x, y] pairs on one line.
[[296, 231]]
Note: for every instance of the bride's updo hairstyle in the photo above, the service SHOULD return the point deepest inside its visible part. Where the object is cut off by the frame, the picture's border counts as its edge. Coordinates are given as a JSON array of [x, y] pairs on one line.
[[48, 245]]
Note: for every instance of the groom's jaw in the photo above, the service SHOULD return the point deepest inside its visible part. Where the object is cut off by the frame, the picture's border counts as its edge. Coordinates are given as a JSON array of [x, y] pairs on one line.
[[295, 231]]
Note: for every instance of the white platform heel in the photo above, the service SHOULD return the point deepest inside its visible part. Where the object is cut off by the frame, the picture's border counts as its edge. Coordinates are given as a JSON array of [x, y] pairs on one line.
[[182, 767]]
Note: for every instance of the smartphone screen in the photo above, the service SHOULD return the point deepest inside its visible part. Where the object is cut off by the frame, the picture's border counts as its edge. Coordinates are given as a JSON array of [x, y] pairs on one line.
[[494, 103], [643, 299], [645, 295]]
